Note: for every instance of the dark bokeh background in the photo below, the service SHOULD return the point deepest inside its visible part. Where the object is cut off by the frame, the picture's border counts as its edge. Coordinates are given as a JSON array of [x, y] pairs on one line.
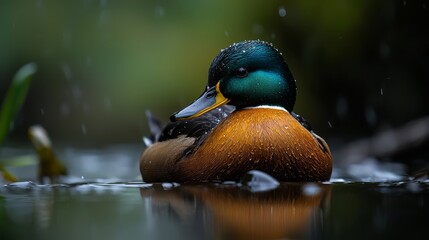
[[361, 66]]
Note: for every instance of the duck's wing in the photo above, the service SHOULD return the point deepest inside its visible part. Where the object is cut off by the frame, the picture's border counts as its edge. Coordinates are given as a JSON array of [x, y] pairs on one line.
[[322, 143], [176, 141], [155, 127], [194, 128], [302, 120]]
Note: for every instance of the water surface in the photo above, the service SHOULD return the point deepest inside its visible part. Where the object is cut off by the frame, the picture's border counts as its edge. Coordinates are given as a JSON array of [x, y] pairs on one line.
[[214, 211]]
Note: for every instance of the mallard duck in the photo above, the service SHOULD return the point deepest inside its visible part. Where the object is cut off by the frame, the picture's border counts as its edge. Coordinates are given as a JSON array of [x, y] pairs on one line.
[[243, 121]]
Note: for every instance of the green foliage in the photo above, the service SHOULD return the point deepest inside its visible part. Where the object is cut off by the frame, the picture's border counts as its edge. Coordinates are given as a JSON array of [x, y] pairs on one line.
[[15, 97], [12, 103]]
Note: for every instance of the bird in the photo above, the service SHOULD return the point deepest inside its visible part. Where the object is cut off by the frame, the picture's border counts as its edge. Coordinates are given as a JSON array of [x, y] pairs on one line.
[[243, 121]]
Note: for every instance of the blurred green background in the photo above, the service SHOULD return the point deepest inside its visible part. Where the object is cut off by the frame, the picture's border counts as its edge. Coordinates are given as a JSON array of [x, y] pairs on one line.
[[360, 66]]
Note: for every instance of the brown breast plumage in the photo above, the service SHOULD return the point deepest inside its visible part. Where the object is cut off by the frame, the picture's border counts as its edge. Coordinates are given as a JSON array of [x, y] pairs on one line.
[[266, 139]]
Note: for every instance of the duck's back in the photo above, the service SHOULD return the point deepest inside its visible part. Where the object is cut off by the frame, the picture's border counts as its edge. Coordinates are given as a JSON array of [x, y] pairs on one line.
[[266, 139]]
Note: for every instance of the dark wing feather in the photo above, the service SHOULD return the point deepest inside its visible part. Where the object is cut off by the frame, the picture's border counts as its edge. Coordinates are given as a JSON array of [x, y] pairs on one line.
[[303, 122], [322, 143], [196, 127]]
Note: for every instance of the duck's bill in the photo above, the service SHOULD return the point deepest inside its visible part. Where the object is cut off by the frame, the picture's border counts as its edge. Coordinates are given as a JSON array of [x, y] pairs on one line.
[[209, 100]]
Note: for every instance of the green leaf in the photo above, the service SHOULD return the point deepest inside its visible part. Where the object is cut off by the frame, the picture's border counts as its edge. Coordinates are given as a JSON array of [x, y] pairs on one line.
[[7, 175], [15, 97]]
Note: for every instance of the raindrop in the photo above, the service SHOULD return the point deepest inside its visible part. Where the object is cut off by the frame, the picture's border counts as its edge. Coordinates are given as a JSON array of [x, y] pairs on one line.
[[67, 71], [42, 111], [88, 61], [273, 35], [257, 29], [83, 128], [67, 37], [381, 91], [329, 123], [371, 116], [39, 4], [226, 33], [342, 107], [282, 11], [103, 16], [107, 103], [405, 3], [103, 13], [103, 3], [11, 125], [65, 109], [86, 108], [384, 50], [160, 11], [76, 92]]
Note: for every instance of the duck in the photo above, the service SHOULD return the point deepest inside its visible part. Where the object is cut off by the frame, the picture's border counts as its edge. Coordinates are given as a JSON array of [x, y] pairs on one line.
[[242, 121]]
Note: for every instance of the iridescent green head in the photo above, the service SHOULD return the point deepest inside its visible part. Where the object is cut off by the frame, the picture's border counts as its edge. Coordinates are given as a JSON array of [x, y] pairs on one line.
[[246, 74]]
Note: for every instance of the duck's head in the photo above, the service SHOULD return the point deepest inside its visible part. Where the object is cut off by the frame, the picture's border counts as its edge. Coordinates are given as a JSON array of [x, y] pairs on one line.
[[246, 74]]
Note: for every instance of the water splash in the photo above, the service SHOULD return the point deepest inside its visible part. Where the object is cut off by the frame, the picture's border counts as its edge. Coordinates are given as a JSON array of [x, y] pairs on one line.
[[311, 189], [282, 11], [258, 181]]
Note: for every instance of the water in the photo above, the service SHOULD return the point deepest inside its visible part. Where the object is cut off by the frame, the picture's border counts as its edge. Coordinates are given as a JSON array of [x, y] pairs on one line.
[[349, 206], [214, 211]]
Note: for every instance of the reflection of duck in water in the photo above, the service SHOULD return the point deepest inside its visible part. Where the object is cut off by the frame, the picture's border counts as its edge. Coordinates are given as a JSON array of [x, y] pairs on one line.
[[210, 141], [230, 212]]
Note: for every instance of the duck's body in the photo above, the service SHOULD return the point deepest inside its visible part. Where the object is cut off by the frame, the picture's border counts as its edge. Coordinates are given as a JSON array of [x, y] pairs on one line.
[[206, 142]]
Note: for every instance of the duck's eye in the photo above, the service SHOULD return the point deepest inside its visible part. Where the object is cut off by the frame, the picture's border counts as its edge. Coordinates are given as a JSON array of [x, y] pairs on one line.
[[242, 72]]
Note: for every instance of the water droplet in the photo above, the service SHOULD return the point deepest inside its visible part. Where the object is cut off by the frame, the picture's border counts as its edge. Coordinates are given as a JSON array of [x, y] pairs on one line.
[[67, 71], [282, 11], [381, 91], [103, 3], [329, 123], [86, 108], [88, 61], [65, 109], [311, 189], [159, 11], [384, 51], [83, 128], [11, 125], [167, 186], [371, 116], [342, 107], [67, 38], [76, 92], [257, 29], [226, 34], [107, 103]]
